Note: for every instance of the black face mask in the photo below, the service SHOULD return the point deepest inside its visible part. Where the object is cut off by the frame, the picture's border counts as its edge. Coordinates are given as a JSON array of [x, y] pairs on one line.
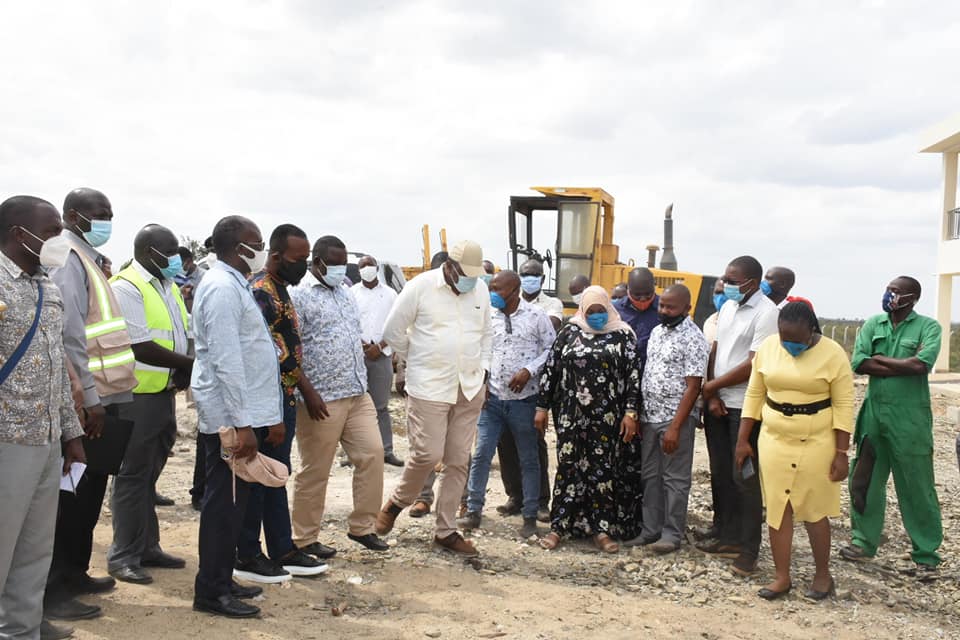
[[671, 322], [292, 272]]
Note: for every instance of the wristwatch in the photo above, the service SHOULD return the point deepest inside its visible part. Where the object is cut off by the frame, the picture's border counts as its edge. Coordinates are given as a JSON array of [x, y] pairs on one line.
[[631, 414]]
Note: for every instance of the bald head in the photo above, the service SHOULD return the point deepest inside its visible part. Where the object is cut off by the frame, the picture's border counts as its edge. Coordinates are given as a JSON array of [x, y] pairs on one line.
[[619, 291], [674, 304], [531, 268], [641, 285], [781, 281], [505, 278], [506, 284], [152, 246], [578, 284], [82, 206]]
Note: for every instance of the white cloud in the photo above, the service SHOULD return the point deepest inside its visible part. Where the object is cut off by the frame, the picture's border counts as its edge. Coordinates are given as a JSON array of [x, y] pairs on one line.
[[786, 130]]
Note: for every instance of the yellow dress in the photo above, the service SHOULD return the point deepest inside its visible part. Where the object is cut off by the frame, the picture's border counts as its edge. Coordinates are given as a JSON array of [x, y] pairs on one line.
[[796, 452]]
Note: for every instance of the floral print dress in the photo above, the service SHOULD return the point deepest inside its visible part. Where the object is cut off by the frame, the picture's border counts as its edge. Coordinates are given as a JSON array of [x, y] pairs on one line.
[[589, 382]]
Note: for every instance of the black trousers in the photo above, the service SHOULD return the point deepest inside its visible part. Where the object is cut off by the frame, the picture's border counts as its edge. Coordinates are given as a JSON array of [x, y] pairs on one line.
[[510, 469], [220, 522], [77, 516], [738, 503], [199, 471]]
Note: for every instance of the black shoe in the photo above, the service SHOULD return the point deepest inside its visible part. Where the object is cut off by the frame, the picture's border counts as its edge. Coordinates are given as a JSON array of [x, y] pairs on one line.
[[163, 560], [260, 569], [927, 572], [319, 550], [133, 575], [370, 541], [529, 528], [241, 592], [226, 606], [85, 584], [543, 514], [50, 631], [392, 460], [345, 462], [470, 520], [163, 501], [770, 594], [70, 609], [509, 508], [298, 563], [817, 596], [196, 503]]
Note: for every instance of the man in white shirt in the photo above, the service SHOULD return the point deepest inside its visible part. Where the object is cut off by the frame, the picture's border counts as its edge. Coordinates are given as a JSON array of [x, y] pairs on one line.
[[374, 301], [746, 320], [531, 283], [440, 325]]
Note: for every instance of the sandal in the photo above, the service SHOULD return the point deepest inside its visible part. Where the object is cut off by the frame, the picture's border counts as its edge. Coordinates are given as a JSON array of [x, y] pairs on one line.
[[550, 541], [605, 543]]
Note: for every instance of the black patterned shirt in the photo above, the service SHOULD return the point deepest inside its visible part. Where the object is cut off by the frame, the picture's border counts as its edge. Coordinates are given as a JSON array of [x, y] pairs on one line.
[[284, 327]]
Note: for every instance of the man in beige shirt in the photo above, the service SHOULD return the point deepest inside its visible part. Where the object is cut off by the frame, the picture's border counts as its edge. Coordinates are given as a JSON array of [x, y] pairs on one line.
[[440, 324]]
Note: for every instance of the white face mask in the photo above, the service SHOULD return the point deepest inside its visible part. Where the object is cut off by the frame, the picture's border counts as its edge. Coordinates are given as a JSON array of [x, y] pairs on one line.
[[577, 297], [53, 251], [369, 273], [258, 261]]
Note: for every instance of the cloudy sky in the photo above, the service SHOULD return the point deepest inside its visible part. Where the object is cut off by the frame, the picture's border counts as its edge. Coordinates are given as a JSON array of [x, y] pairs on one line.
[[788, 130]]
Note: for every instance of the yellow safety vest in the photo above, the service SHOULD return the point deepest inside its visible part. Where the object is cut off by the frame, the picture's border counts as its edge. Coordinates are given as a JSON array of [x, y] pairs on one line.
[[150, 378], [110, 357]]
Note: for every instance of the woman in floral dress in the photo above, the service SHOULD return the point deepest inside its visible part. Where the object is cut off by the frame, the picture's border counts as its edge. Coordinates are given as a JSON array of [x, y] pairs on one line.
[[592, 383]]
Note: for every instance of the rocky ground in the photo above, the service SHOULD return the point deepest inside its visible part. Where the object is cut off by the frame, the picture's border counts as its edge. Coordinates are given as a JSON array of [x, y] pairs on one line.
[[517, 590]]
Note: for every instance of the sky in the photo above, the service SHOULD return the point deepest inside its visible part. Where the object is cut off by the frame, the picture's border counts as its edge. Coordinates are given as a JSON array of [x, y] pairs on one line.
[[785, 130]]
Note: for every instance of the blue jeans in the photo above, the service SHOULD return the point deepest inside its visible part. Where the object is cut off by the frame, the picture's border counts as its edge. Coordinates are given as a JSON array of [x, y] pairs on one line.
[[517, 416], [269, 504]]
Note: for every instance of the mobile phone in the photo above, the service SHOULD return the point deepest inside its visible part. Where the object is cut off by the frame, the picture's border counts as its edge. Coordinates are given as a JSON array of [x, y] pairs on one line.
[[747, 471]]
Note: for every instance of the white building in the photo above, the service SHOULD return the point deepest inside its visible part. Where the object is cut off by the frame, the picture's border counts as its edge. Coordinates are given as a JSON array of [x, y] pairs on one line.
[[945, 140]]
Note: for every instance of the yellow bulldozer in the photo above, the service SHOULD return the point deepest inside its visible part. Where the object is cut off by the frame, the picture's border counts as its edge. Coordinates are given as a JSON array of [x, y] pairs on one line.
[[584, 219]]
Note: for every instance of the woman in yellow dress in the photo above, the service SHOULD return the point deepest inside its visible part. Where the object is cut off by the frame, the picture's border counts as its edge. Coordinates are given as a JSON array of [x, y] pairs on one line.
[[801, 387]]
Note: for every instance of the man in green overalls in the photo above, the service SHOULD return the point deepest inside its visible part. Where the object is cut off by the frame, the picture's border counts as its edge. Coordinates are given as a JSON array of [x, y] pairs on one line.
[[897, 350]]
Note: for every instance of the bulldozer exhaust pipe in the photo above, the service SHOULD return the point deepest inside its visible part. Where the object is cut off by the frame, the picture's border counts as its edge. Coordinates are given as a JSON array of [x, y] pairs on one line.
[[668, 260]]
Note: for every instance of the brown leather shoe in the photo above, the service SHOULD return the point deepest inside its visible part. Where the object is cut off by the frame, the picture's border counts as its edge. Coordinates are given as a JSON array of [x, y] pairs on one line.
[[454, 543], [462, 511], [419, 509], [387, 516]]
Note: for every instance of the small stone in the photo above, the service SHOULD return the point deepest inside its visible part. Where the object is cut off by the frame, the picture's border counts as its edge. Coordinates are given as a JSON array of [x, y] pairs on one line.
[[355, 580], [432, 633]]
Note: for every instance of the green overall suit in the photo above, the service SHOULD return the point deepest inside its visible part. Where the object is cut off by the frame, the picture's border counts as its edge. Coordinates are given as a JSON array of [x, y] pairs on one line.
[[897, 418]]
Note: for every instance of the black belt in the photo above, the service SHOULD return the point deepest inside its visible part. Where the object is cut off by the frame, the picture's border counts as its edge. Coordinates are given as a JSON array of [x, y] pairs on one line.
[[799, 409]]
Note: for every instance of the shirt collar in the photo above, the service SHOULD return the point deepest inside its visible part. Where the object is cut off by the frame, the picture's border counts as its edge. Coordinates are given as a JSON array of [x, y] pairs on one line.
[[754, 300], [146, 275], [885, 318], [223, 266], [14, 269], [79, 244], [311, 282]]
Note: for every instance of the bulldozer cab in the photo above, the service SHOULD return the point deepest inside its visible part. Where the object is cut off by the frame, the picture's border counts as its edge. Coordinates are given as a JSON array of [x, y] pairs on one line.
[[573, 219]]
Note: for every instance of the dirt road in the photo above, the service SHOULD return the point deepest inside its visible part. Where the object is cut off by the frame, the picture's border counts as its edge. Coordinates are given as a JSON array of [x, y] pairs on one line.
[[519, 591]]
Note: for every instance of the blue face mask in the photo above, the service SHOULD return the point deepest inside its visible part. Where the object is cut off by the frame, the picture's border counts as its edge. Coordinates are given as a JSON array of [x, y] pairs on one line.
[[497, 301], [99, 233], [530, 284], [335, 275], [765, 288], [174, 265], [794, 348], [465, 284], [597, 321], [732, 291], [718, 300], [486, 278]]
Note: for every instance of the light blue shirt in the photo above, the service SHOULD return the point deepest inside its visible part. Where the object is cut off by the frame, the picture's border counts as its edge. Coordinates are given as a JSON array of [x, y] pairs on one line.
[[332, 345], [236, 375]]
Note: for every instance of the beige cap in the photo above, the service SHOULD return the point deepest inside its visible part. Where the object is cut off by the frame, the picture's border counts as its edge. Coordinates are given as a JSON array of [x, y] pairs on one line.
[[469, 255]]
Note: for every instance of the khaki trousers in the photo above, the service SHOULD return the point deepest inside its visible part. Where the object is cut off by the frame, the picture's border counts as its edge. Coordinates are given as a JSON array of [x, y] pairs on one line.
[[438, 431], [353, 424]]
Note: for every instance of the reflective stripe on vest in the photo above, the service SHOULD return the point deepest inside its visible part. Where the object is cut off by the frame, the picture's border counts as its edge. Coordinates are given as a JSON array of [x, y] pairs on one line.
[[110, 357], [151, 378]]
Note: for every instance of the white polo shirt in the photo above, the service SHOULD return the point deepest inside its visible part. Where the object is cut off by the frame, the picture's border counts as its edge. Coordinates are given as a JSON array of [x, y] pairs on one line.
[[374, 306], [553, 307], [741, 328], [444, 337]]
